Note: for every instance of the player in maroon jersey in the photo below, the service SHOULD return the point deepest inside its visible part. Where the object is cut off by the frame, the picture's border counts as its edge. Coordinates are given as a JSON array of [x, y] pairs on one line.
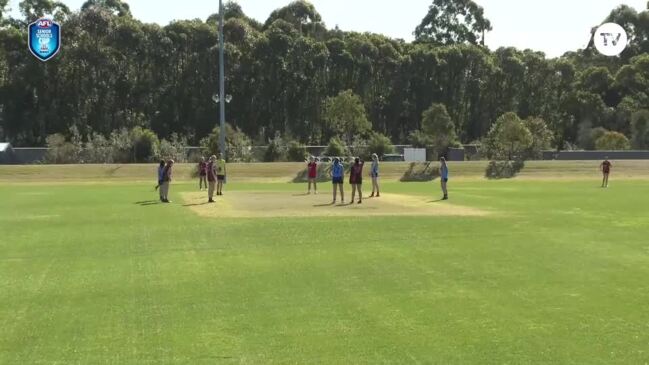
[[356, 179], [202, 174], [605, 167]]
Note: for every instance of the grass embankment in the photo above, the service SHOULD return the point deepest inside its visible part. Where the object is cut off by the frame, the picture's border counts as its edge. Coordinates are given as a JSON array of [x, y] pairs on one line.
[[286, 172]]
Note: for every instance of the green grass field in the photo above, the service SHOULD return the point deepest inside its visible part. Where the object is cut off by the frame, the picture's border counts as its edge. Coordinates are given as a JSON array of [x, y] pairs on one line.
[[555, 272]]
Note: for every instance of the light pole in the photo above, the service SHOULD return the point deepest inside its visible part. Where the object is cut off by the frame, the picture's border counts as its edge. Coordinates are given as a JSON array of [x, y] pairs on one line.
[[221, 81]]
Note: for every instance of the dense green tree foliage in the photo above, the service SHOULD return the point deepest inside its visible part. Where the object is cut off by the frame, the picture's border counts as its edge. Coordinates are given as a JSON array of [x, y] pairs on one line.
[[542, 137], [452, 22], [379, 144], [640, 126], [336, 148], [34, 9], [344, 115], [437, 125], [508, 139], [117, 7], [237, 144], [292, 76], [296, 151], [3, 5]]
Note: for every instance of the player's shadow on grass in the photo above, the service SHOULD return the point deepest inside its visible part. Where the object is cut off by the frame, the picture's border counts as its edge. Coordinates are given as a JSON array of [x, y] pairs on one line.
[[436, 201], [324, 205], [148, 202], [196, 204], [345, 204]]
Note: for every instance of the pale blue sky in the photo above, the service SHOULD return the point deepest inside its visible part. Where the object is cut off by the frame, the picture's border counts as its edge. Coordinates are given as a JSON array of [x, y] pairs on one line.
[[552, 26]]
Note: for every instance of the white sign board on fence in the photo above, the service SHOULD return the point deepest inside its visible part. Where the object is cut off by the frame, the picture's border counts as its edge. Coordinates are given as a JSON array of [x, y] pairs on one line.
[[414, 154]]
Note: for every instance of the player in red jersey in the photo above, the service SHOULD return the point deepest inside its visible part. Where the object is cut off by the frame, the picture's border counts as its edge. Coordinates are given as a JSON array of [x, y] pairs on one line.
[[605, 167], [312, 168]]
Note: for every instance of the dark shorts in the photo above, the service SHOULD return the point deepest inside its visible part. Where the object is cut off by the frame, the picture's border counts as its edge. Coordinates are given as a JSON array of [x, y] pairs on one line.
[[375, 175], [445, 180], [203, 173], [358, 181], [312, 177], [220, 177], [337, 180]]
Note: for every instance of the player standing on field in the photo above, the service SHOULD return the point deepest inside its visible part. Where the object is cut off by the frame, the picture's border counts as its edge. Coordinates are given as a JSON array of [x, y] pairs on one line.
[[202, 173], [220, 175], [166, 181], [211, 178], [356, 179], [312, 167], [374, 174], [605, 167], [443, 171], [337, 177], [161, 169]]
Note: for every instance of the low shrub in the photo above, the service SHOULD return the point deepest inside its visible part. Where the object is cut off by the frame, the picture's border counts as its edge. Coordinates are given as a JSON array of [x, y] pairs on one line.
[[379, 144], [612, 141], [421, 171], [504, 169], [145, 144], [60, 151], [122, 146], [336, 148], [238, 144], [358, 148], [419, 139], [98, 149], [275, 151], [174, 148], [296, 152]]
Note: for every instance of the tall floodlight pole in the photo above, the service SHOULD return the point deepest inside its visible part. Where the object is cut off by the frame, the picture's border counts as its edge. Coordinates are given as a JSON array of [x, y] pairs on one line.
[[221, 82]]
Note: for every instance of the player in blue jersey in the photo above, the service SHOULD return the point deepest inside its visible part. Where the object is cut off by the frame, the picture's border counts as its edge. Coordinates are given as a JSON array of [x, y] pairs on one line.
[[161, 169], [443, 171], [337, 177]]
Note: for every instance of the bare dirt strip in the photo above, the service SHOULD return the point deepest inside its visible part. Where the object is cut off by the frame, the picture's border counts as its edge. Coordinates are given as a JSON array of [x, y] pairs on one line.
[[283, 204]]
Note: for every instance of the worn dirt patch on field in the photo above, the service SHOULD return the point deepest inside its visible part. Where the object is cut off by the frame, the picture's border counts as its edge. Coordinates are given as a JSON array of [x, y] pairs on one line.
[[27, 218], [282, 204]]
